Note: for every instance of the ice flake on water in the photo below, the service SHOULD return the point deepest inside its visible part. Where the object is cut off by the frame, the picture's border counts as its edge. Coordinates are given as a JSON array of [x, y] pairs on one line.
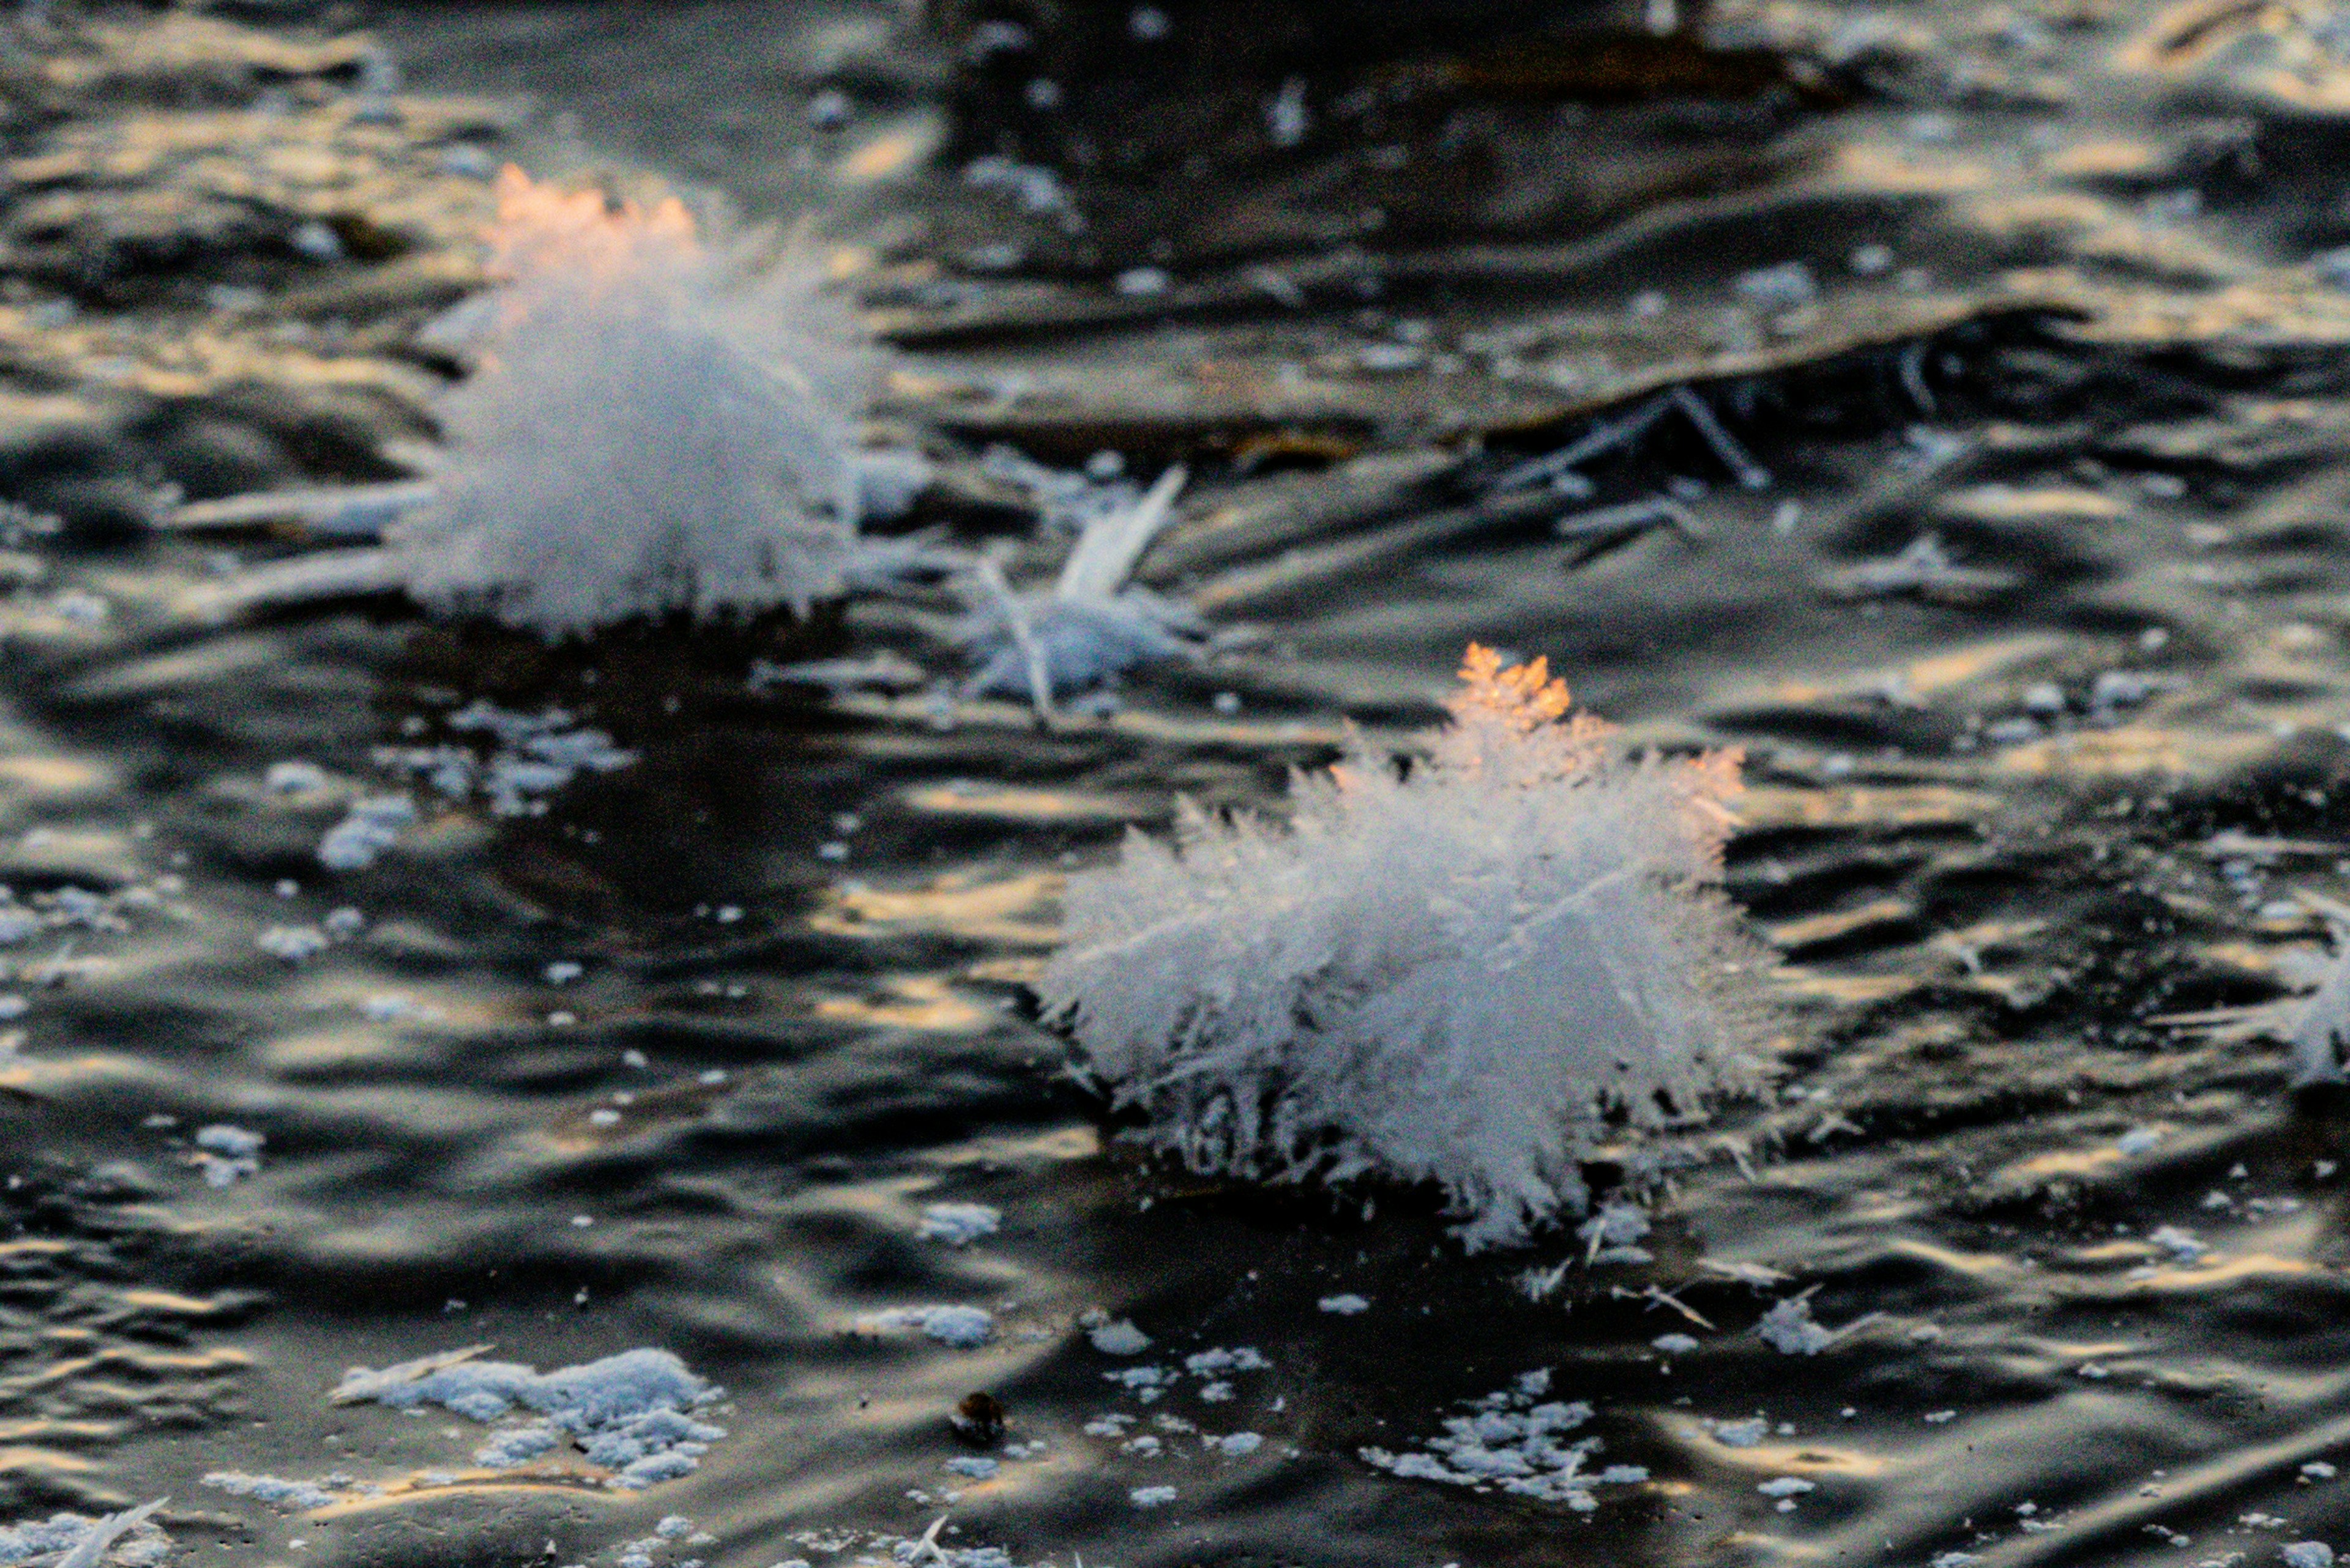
[[1675, 1344], [1234, 1445], [1609, 1234], [962, 1327], [294, 1496], [226, 1154], [1786, 1486], [293, 943], [1468, 974], [1247, 1358], [975, 1466], [959, 1224], [370, 826], [1788, 1328], [1345, 1306], [2138, 1141], [1510, 1442], [630, 1413], [2307, 1554], [530, 756], [73, 1541], [1120, 1338], [1746, 1433], [1160, 1496], [1144, 1380]]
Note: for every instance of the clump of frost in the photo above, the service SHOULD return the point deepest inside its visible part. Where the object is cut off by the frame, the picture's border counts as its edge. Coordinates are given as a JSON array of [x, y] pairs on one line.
[[959, 1224], [226, 1154], [72, 1541], [1514, 1440], [1090, 625], [1458, 975], [1790, 1329], [1347, 1305], [533, 755], [643, 434], [2321, 1031], [962, 1327], [1120, 1338], [277, 1491], [631, 1413], [369, 827]]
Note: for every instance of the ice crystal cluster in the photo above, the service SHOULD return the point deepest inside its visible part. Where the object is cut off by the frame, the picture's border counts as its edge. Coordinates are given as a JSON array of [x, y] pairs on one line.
[[642, 435], [1471, 973], [631, 1413], [1515, 1442]]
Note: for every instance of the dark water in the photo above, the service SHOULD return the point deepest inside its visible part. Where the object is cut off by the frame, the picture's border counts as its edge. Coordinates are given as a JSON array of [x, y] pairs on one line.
[[2030, 929]]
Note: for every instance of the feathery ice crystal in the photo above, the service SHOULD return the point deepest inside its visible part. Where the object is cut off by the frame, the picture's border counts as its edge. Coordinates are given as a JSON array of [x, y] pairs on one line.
[[1469, 975], [624, 447]]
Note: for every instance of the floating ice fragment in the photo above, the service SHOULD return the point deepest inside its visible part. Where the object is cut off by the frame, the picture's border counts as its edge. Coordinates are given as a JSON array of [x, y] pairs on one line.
[[1345, 1306], [971, 1465], [629, 1412], [1922, 566], [1741, 1433], [2318, 1469], [2138, 1141], [1458, 975], [2307, 1554], [293, 943], [1119, 1339], [1235, 1445], [1160, 1496], [1786, 1486], [962, 1327], [370, 826], [959, 1224], [226, 1155], [299, 1496], [86, 1542], [1675, 1344], [1788, 286], [1788, 1327], [235, 1143], [1510, 1442]]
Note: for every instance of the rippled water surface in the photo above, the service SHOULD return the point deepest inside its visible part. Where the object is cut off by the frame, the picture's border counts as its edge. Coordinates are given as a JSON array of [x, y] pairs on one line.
[[678, 1051]]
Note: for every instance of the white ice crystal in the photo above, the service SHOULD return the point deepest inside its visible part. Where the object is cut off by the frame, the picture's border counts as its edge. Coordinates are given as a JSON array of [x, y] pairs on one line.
[[70, 1541], [1090, 625], [961, 1327], [959, 1224], [642, 435], [630, 1413], [1514, 1441], [2321, 1030], [1469, 975]]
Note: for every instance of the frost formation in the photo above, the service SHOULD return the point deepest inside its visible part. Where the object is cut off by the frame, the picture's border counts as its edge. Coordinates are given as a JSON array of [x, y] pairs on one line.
[[623, 449], [1470, 974]]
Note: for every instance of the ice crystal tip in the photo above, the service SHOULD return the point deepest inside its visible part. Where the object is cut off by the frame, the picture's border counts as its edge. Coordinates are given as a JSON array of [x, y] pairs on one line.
[[1464, 973]]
